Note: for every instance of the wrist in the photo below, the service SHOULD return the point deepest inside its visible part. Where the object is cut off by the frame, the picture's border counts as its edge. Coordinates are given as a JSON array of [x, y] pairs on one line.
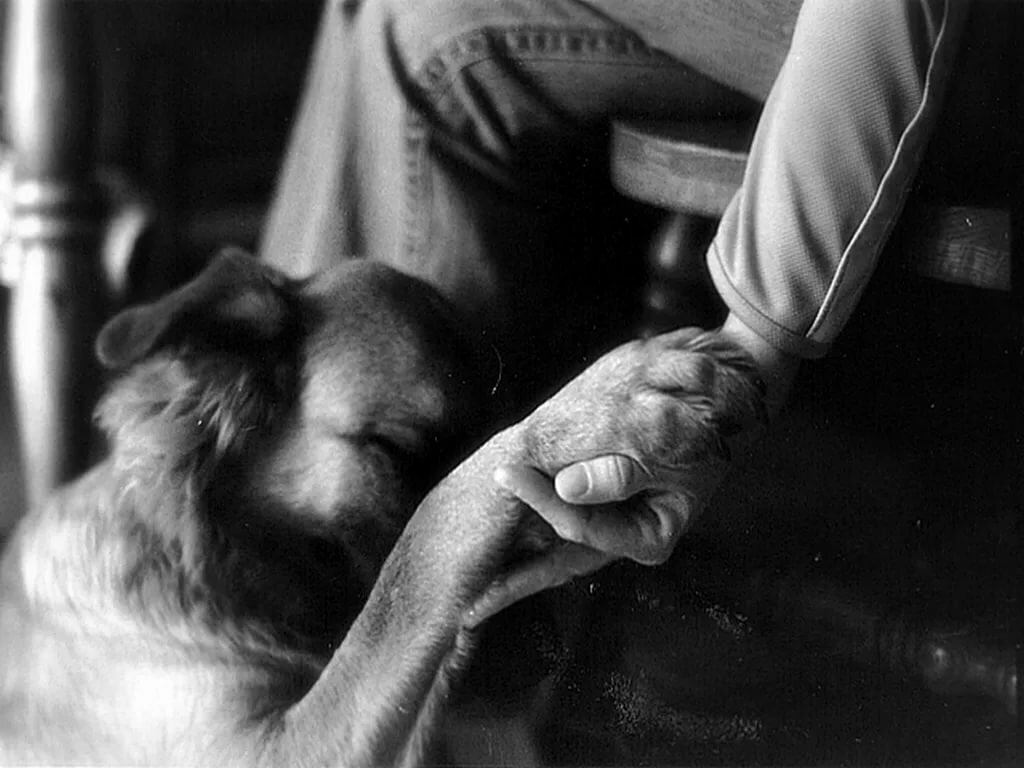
[[776, 368]]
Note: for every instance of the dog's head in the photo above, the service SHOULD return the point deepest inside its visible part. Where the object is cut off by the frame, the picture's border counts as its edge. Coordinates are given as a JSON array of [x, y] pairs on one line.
[[276, 434]]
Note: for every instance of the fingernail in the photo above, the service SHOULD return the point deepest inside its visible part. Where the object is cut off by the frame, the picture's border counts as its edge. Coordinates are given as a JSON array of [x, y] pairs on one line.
[[502, 478], [572, 483]]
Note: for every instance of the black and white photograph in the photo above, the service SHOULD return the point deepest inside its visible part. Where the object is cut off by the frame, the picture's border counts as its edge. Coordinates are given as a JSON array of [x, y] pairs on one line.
[[511, 383]]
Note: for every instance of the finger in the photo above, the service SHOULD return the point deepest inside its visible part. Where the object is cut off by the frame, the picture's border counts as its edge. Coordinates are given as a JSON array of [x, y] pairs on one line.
[[630, 530], [552, 569], [603, 479]]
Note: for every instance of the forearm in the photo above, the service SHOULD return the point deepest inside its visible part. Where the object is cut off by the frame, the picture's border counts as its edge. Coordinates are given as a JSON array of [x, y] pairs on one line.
[[835, 151]]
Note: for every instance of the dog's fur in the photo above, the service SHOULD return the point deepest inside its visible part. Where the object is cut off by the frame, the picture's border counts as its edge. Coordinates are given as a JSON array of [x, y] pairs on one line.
[[240, 581]]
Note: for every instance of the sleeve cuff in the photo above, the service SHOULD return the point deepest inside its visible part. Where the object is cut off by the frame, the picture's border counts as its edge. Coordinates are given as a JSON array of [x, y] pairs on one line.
[[776, 334]]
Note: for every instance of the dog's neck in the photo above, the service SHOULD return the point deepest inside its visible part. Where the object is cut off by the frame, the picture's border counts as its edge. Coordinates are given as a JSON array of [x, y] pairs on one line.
[[143, 583], [161, 563]]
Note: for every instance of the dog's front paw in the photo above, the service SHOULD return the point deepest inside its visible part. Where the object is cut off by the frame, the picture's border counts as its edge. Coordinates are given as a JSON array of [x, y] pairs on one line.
[[667, 402]]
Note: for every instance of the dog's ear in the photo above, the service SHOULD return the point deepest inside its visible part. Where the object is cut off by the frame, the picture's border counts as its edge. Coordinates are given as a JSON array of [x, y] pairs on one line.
[[235, 299]]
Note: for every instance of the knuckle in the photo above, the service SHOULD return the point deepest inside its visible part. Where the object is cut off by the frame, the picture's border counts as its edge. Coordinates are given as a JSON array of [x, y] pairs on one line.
[[659, 534], [622, 473], [653, 549], [653, 555], [672, 530]]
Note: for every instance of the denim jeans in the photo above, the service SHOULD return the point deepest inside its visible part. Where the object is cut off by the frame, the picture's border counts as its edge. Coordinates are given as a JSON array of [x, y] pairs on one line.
[[456, 140]]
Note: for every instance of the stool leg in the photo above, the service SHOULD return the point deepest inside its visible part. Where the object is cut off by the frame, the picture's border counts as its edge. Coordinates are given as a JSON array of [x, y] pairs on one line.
[[678, 292]]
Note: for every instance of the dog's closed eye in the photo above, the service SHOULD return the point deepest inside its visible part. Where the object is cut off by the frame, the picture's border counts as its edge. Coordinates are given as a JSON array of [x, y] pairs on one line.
[[383, 444], [419, 454]]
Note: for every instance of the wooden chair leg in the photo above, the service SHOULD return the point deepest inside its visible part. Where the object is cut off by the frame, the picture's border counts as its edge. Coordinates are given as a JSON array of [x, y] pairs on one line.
[[56, 301], [678, 292], [53, 318]]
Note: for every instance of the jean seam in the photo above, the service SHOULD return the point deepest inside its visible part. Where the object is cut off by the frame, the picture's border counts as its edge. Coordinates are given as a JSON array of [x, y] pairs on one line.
[[416, 222], [490, 43]]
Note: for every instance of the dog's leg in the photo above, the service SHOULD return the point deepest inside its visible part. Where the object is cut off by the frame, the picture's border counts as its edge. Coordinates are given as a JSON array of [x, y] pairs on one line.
[[666, 402], [377, 701]]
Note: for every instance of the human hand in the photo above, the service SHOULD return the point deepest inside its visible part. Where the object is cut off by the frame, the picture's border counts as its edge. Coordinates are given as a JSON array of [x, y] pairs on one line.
[[614, 477], [611, 504], [638, 442]]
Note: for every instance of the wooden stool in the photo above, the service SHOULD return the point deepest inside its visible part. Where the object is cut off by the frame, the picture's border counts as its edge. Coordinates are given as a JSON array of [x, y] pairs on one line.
[[692, 170]]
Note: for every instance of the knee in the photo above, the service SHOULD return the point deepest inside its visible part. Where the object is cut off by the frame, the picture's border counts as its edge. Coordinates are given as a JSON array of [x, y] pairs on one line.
[[415, 32], [445, 57]]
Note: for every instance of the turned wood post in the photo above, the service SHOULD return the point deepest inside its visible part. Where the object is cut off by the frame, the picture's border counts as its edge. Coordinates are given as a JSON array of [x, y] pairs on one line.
[[56, 214]]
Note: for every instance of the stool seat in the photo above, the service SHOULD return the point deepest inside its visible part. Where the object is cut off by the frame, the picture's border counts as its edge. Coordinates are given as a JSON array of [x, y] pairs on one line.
[[693, 170], [694, 167]]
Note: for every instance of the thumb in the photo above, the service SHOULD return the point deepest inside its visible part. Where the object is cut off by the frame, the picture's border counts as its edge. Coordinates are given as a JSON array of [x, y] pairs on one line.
[[601, 480]]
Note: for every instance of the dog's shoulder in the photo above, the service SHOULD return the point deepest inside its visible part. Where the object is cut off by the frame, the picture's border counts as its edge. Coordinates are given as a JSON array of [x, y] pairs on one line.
[[82, 632]]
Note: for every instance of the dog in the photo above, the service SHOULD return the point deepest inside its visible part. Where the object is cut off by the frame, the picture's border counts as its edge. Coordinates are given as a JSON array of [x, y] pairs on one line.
[[288, 553]]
